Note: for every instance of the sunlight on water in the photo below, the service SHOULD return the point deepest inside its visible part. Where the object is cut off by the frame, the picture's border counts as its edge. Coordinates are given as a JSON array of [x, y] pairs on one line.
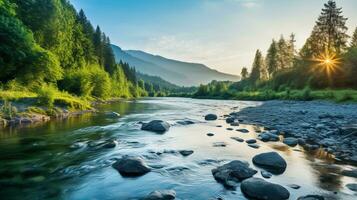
[[65, 158]]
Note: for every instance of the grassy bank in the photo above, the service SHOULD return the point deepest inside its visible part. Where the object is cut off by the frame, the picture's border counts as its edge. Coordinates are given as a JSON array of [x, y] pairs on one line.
[[301, 95], [46, 102]]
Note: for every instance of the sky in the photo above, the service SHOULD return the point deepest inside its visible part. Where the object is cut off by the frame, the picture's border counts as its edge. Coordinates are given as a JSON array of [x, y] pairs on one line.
[[222, 34]]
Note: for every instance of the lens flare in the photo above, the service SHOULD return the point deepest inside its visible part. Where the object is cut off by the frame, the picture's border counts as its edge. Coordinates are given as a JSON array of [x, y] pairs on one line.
[[328, 63]]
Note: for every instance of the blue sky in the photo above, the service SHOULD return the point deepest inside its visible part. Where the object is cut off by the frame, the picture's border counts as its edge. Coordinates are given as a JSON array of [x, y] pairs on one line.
[[222, 34]]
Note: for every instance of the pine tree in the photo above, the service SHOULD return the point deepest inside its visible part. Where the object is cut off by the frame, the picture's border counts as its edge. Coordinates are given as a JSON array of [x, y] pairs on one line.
[[258, 64], [98, 45], [244, 73], [354, 39], [291, 50], [283, 54], [272, 59], [329, 34]]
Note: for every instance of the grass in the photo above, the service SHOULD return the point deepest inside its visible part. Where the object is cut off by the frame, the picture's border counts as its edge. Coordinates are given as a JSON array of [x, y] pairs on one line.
[[47, 101], [304, 95]]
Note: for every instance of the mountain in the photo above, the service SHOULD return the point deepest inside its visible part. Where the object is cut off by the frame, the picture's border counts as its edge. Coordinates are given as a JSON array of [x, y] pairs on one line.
[[176, 72]]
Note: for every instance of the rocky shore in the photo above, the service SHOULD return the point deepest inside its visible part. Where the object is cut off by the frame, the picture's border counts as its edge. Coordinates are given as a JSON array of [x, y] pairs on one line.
[[312, 124]]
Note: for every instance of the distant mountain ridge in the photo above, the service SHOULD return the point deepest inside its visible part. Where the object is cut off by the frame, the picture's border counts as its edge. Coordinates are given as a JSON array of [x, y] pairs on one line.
[[176, 72]]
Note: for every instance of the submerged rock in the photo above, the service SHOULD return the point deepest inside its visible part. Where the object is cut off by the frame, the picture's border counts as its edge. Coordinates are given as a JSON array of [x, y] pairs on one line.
[[271, 162], [110, 144], [185, 122], [238, 139], [251, 141], [219, 144], [210, 134], [294, 186], [352, 186], [266, 174], [255, 146], [161, 195], [211, 117], [350, 173], [311, 197], [112, 114], [257, 188], [131, 166], [243, 130], [231, 173], [186, 152], [157, 126]]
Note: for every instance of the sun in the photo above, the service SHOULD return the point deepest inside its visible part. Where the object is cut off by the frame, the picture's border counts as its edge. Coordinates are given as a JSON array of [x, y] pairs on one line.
[[327, 63]]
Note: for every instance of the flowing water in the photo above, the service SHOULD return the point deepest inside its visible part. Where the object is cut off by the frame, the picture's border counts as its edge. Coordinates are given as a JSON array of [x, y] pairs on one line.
[[64, 159]]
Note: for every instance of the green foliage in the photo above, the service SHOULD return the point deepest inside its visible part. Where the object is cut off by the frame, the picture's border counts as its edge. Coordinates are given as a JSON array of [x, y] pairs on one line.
[[7, 111], [46, 95]]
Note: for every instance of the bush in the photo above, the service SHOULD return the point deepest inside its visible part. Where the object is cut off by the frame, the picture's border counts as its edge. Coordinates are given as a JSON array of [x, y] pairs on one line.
[[306, 94], [46, 95]]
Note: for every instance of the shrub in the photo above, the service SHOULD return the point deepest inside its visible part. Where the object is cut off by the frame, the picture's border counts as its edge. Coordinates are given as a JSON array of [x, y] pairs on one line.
[[306, 94], [46, 95]]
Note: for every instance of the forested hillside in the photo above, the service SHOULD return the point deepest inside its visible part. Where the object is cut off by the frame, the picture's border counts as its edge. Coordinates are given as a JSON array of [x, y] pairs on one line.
[[325, 67], [47, 47]]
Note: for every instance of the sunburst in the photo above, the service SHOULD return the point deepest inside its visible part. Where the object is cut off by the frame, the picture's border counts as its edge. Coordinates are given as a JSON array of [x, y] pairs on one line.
[[328, 63]]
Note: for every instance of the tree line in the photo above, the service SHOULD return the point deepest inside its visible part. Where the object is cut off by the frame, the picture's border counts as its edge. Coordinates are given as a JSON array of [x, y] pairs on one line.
[[328, 59], [47, 43]]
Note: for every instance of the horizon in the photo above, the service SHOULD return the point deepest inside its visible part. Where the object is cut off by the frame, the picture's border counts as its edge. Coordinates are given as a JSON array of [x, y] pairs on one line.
[[187, 32]]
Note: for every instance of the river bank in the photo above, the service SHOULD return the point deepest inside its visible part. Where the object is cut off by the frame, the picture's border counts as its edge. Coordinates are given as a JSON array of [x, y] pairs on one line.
[[313, 124]]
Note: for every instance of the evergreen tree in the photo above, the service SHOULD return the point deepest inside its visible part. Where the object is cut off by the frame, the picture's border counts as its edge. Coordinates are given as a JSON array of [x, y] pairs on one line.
[[98, 45], [272, 59], [291, 50], [354, 39], [283, 54], [329, 34], [244, 73], [258, 64], [108, 57]]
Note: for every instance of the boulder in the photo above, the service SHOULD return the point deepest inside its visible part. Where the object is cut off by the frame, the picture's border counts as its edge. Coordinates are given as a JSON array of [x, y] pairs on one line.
[[211, 117], [157, 126], [352, 186], [271, 162], [231, 173], [161, 195], [290, 141], [131, 166], [186, 152], [251, 141], [311, 197], [259, 189]]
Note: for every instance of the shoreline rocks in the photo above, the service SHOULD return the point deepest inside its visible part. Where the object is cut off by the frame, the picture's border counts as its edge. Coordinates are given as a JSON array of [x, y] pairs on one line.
[[271, 161], [231, 173], [259, 189]]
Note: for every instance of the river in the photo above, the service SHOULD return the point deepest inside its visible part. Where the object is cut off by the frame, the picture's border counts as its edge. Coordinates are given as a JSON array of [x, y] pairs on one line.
[[64, 159]]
